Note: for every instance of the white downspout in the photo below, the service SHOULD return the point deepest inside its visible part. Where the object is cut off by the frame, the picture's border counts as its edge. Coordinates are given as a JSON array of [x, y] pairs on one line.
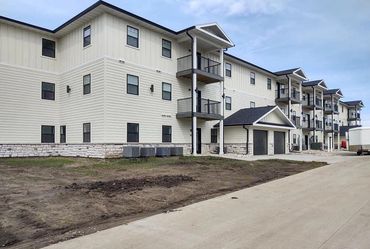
[[194, 95], [222, 102]]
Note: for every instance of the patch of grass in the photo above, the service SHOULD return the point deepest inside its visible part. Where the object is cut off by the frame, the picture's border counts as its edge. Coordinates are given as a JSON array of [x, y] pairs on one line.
[[37, 162]]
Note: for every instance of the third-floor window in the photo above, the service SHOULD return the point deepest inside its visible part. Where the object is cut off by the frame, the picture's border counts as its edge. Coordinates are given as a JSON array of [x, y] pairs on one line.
[[87, 84], [253, 78], [166, 48], [228, 69], [87, 36], [132, 36], [48, 48]]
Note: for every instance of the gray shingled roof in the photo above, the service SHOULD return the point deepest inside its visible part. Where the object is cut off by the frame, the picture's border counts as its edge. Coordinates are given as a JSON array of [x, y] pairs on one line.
[[288, 71], [332, 91], [353, 103], [246, 116]]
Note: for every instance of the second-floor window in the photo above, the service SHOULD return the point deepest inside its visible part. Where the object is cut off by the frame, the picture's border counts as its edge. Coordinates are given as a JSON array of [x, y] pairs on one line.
[[166, 91], [228, 69], [47, 134], [228, 103], [132, 36], [86, 132], [166, 48], [48, 48], [87, 84], [48, 91], [269, 84], [253, 78], [252, 104], [87, 36], [132, 84], [63, 134], [166, 134], [132, 132]]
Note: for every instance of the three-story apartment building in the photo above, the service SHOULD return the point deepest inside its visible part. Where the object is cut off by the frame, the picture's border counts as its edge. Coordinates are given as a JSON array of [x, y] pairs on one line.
[[107, 79]]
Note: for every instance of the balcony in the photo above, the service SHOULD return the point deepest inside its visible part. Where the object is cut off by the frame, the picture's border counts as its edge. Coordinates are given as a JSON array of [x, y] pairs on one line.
[[330, 108], [311, 125], [297, 121], [329, 127], [283, 96], [206, 109], [353, 116], [310, 104], [208, 71]]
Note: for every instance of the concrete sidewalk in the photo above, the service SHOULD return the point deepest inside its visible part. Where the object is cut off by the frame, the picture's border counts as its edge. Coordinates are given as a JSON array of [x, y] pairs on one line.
[[326, 208]]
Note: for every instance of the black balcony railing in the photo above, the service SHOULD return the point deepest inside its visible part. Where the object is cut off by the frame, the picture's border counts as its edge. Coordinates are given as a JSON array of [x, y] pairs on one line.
[[330, 107], [319, 125], [336, 127], [310, 124], [204, 64], [311, 103], [284, 94], [296, 121], [205, 106]]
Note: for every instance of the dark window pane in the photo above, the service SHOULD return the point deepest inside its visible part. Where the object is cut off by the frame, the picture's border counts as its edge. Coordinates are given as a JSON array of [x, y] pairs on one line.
[[132, 84], [166, 48], [253, 78], [228, 69], [48, 91], [48, 48], [213, 135], [166, 91], [132, 132], [86, 133], [132, 37], [269, 84], [228, 103], [63, 134], [87, 84], [47, 134], [166, 134], [87, 36]]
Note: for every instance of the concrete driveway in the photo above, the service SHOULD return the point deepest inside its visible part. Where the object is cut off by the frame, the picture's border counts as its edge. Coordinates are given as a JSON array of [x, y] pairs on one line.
[[326, 208]]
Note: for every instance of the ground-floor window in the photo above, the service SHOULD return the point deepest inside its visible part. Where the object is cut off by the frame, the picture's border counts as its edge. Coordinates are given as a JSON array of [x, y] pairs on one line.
[[132, 132], [47, 134], [86, 132], [63, 133], [214, 136], [166, 134]]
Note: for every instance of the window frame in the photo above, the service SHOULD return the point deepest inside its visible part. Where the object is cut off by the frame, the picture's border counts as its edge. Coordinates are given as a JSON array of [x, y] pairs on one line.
[[44, 92], [63, 136], [45, 140], [84, 84], [228, 70], [252, 78], [136, 134], [44, 50], [85, 42], [228, 105], [86, 134], [129, 36], [269, 84], [163, 91], [214, 135], [166, 137], [252, 104], [129, 84], [166, 49]]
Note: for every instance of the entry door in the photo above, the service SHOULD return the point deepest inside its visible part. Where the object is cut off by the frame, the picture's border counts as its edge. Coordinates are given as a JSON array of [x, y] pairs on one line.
[[259, 142], [306, 141], [199, 101], [279, 142], [199, 141]]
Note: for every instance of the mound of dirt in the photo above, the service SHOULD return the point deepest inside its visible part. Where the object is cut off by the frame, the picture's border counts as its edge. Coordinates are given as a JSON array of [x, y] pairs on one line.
[[131, 184]]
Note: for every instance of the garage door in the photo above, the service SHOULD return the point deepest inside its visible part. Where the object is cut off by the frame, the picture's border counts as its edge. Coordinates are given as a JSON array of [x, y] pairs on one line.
[[279, 142], [259, 142]]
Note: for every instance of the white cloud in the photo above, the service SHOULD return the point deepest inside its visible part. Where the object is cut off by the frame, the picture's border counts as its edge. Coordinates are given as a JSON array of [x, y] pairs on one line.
[[235, 8]]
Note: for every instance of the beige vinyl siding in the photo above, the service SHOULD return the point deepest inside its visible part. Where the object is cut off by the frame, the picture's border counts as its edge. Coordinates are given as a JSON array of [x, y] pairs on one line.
[[22, 47], [77, 108], [148, 109], [22, 110]]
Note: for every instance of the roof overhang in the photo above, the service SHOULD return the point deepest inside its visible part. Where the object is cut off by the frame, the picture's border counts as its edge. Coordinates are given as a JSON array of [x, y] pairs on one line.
[[334, 92], [261, 123]]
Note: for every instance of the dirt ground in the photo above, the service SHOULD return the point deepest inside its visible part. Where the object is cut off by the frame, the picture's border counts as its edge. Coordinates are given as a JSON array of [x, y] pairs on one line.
[[47, 200]]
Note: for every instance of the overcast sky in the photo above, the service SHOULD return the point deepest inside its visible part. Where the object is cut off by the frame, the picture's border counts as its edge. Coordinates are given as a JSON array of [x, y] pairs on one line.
[[328, 39]]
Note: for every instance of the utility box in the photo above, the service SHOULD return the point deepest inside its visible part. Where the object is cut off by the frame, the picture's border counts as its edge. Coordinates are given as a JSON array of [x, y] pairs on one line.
[[177, 151], [147, 152], [163, 151], [131, 151]]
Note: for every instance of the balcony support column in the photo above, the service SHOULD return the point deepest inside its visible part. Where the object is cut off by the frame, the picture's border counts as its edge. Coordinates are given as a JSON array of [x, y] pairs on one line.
[[222, 100], [194, 96], [290, 110], [314, 113]]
